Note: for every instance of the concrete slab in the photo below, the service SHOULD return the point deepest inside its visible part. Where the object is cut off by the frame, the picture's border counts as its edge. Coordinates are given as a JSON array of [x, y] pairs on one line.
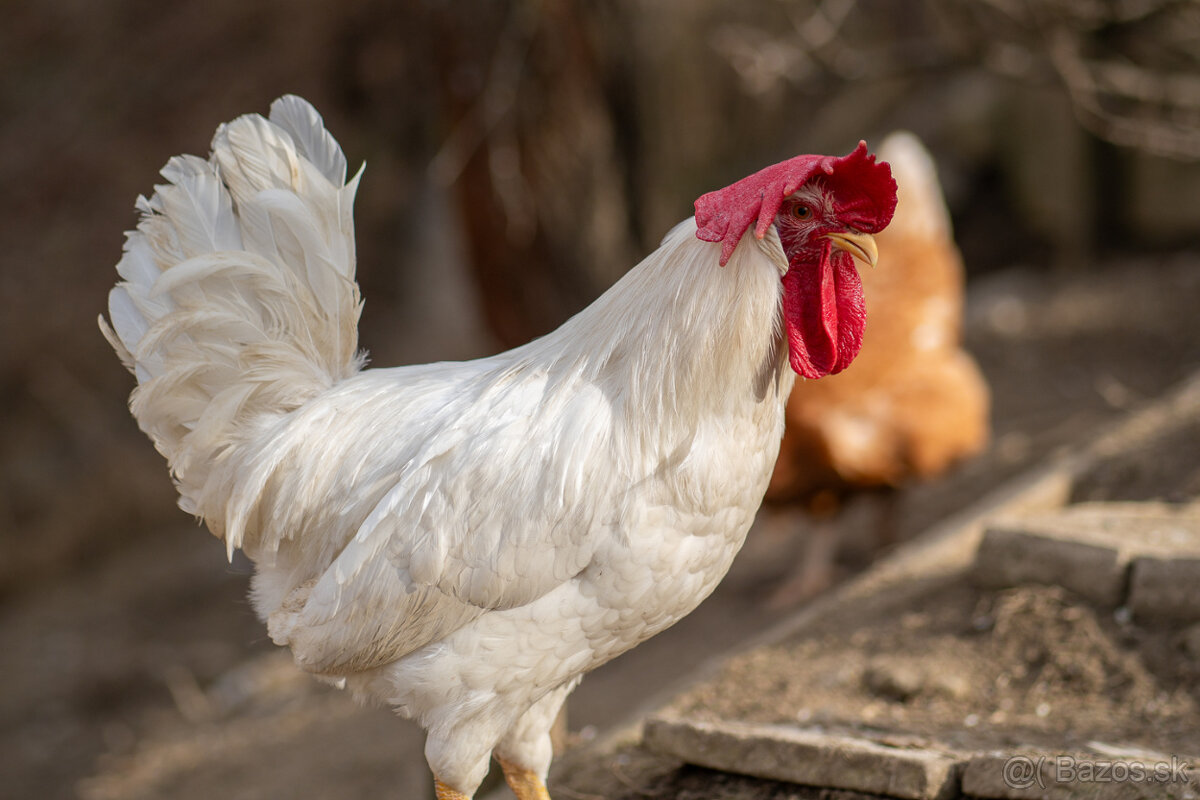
[[808, 757], [1011, 555], [1089, 549], [1166, 590]]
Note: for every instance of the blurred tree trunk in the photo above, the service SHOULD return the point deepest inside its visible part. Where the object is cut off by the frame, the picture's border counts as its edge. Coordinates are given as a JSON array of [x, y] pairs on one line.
[[532, 160]]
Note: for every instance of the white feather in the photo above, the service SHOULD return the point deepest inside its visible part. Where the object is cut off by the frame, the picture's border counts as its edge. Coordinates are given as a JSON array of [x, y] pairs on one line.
[[234, 294], [307, 129], [462, 540]]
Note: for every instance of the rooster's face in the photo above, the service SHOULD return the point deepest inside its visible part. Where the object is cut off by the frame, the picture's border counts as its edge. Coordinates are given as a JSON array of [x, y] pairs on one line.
[[808, 221], [825, 210], [823, 307]]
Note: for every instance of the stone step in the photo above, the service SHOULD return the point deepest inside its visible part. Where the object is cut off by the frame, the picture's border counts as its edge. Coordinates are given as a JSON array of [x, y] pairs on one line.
[[1145, 556]]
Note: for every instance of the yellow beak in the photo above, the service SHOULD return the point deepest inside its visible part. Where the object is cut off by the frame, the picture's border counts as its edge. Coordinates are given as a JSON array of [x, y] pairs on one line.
[[860, 245]]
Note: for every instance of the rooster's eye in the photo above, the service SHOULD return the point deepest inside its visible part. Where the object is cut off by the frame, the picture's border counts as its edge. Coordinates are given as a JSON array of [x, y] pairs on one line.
[[801, 211]]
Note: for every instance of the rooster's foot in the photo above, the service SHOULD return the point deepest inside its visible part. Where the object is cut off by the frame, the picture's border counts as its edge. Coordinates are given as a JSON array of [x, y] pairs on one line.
[[525, 783]]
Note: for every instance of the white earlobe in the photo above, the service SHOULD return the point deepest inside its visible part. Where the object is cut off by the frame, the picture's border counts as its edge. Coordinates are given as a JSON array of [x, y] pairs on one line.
[[772, 248]]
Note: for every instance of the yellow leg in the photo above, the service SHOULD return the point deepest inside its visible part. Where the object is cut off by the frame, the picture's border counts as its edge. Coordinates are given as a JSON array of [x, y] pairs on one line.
[[525, 784], [444, 792]]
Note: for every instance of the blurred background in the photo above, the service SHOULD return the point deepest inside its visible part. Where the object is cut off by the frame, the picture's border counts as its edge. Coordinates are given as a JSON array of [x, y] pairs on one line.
[[521, 155]]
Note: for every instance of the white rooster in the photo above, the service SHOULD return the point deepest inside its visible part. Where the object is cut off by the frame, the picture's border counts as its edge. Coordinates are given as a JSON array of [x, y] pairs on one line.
[[463, 541]]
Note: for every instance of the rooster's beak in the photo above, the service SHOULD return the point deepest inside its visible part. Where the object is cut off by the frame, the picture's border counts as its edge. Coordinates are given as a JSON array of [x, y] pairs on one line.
[[860, 245]]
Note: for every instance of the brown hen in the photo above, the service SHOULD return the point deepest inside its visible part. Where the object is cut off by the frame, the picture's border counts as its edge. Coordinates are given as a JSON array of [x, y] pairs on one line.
[[913, 404]]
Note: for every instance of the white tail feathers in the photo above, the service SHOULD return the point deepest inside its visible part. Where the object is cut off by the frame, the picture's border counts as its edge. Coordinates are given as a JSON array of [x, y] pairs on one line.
[[237, 301]]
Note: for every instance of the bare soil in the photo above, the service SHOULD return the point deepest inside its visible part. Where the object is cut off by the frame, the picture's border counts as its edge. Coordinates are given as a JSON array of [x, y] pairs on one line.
[[950, 667]]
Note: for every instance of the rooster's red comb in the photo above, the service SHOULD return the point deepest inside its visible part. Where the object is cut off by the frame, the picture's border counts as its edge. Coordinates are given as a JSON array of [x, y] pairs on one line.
[[864, 192]]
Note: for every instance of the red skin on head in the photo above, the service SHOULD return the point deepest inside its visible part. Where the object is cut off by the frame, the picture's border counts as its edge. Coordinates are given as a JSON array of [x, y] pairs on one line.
[[824, 313], [822, 305]]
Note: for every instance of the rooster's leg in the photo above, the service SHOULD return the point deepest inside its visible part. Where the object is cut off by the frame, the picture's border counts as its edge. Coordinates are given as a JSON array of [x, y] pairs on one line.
[[525, 751], [444, 792], [525, 783]]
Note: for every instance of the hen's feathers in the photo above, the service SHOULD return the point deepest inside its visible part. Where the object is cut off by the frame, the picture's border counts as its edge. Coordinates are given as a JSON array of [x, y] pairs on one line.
[[237, 301], [915, 402]]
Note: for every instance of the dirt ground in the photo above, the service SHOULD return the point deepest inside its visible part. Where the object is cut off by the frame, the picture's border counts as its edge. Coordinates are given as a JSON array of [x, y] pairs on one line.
[[950, 667], [946, 664], [945, 667], [145, 675]]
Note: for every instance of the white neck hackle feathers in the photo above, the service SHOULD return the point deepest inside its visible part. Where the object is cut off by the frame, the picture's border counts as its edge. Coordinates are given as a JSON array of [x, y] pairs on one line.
[[678, 338]]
